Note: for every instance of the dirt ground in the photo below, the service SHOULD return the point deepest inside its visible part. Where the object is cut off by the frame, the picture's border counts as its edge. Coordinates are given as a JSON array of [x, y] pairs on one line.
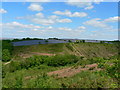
[[68, 72], [35, 53], [7, 63]]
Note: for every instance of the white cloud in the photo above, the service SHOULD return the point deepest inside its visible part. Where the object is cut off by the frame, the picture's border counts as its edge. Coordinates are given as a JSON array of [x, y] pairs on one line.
[[76, 30], [43, 21], [38, 0], [64, 20], [14, 29], [70, 14], [81, 4], [90, 7], [53, 17], [35, 29], [81, 27], [21, 31], [35, 7], [97, 23], [39, 18], [64, 29], [3, 10], [39, 15], [50, 27], [101, 26], [86, 4], [19, 26], [112, 19]]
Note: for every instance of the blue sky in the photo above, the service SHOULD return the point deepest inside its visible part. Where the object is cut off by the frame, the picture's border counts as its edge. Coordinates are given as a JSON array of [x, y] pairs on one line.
[[60, 19]]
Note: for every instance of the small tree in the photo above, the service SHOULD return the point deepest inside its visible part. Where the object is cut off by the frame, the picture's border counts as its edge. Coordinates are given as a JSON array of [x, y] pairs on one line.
[[77, 41], [27, 38], [39, 42], [83, 41], [69, 41], [6, 55], [46, 41], [101, 41]]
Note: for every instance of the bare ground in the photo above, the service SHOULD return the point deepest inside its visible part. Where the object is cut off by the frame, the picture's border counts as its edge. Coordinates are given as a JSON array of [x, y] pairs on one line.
[[68, 72], [7, 63], [35, 53]]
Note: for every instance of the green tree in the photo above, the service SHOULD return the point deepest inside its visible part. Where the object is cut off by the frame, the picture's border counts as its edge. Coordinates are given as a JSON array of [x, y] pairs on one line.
[[101, 41], [6, 55], [46, 41], [39, 42], [6, 44], [69, 41], [77, 41], [83, 41]]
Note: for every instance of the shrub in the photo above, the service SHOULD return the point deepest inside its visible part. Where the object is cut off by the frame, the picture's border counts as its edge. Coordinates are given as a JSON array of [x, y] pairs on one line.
[[113, 71], [6, 55], [69, 41], [87, 79], [46, 41], [6, 44], [62, 60]]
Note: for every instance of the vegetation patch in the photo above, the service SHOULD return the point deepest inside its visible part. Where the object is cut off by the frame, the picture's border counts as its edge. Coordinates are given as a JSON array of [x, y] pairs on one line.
[[70, 65]]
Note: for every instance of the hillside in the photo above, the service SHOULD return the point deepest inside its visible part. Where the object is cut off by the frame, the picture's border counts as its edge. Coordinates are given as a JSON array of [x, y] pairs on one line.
[[87, 50], [70, 65]]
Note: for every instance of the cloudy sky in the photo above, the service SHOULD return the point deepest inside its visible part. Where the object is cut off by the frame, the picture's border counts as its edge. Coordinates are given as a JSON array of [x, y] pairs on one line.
[[80, 20]]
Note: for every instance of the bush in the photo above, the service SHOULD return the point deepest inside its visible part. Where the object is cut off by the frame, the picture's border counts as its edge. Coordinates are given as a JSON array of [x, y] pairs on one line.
[[15, 81], [6, 55], [87, 79], [6, 44], [62, 60], [113, 71], [58, 60]]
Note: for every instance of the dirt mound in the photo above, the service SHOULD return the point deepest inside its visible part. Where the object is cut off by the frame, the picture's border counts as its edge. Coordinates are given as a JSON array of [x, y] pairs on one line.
[[68, 72]]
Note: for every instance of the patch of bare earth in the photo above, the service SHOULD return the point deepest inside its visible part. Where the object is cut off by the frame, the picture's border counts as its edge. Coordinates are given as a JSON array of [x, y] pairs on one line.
[[35, 53], [68, 72], [46, 54], [29, 77], [7, 63]]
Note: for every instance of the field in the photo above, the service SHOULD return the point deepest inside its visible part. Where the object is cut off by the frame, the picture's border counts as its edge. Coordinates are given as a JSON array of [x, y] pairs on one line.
[[68, 65]]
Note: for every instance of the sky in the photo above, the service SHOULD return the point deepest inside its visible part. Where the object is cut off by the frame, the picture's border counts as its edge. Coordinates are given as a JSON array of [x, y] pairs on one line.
[[74, 20]]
